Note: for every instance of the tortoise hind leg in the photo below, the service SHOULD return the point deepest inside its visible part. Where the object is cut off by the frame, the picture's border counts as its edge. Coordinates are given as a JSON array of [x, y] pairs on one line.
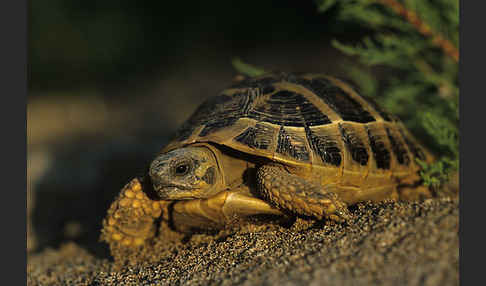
[[414, 193], [412, 189], [298, 195]]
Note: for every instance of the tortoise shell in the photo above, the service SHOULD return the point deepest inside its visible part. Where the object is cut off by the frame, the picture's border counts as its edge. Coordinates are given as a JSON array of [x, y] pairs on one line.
[[302, 119]]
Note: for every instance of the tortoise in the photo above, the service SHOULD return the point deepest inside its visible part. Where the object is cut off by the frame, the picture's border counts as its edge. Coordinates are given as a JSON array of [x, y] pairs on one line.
[[280, 144]]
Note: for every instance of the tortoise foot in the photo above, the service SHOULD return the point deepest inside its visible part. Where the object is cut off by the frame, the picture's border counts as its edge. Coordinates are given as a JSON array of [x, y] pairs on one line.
[[130, 218]]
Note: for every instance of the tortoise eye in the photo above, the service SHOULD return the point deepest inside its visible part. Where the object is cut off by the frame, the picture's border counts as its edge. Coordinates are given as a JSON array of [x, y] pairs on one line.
[[182, 169]]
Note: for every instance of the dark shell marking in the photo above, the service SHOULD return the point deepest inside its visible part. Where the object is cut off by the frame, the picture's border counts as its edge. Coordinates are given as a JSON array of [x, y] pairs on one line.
[[398, 149], [340, 101], [289, 109], [354, 145], [208, 114], [380, 152], [256, 137], [285, 115], [325, 146], [416, 151], [292, 146], [225, 112]]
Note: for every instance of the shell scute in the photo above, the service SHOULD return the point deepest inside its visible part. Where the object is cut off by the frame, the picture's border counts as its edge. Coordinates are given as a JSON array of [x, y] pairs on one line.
[[292, 144], [259, 136], [339, 100], [325, 145]]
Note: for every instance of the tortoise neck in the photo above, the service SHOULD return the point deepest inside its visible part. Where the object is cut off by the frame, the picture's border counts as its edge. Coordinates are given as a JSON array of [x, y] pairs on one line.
[[232, 167]]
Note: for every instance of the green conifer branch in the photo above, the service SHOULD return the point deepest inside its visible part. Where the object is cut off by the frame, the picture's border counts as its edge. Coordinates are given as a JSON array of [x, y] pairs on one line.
[[423, 27], [420, 85]]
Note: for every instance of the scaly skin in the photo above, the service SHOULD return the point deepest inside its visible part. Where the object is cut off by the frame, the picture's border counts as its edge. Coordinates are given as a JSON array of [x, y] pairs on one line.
[[298, 195], [130, 218]]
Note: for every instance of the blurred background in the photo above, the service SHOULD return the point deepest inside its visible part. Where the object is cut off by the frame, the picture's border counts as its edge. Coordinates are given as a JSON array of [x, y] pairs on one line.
[[111, 80]]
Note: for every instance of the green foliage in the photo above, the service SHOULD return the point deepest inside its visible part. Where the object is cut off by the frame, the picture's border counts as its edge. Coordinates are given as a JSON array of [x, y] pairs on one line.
[[437, 174], [246, 69], [418, 79]]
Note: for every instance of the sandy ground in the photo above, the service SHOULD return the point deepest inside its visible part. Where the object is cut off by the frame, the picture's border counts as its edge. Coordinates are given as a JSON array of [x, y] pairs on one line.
[[386, 244]]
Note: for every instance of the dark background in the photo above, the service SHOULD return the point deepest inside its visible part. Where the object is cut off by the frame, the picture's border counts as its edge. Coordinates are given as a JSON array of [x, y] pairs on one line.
[[74, 44], [109, 81]]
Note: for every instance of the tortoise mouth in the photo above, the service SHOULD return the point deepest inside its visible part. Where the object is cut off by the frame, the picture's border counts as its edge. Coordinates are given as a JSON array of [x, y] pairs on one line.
[[173, 192]]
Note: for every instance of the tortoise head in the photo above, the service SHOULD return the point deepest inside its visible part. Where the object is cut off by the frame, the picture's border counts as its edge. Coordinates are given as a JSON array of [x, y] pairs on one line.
[[185, 173]]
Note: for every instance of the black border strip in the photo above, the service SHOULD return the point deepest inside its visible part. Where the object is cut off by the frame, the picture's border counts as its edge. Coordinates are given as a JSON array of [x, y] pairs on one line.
[[13, 30]]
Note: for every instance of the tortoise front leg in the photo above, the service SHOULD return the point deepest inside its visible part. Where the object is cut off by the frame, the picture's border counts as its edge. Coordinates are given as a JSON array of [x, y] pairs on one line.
[[130, 220], [298, 195], [216, 211]]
